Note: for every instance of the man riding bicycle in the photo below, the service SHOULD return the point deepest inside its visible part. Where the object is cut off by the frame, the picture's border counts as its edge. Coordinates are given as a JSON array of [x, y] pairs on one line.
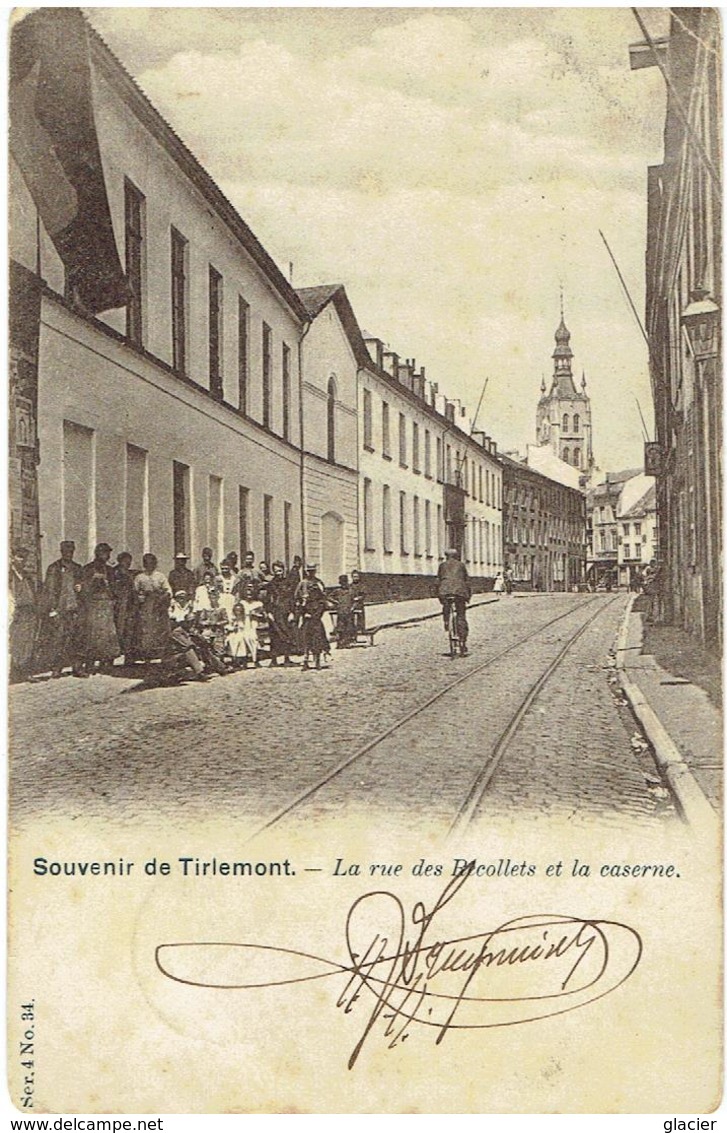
[[454, 590]]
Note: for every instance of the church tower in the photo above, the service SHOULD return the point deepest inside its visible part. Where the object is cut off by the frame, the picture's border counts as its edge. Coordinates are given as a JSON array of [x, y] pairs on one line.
[[563, 420]]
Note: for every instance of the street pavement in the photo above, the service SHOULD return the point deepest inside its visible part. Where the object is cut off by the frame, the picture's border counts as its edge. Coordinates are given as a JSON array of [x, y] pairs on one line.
[[244, 745]]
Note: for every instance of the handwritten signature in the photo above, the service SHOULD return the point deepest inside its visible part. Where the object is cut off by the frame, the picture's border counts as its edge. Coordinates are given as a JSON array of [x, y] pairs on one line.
[[402, 970]]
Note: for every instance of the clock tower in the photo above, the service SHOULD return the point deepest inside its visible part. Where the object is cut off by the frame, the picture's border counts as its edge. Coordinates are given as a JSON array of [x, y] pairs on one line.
[[563, 420]]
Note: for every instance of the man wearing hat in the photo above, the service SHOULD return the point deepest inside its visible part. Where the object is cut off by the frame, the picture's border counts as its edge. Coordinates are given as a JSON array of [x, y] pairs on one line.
[[58, 644], [310, 604], [180, 576], [454, 590]]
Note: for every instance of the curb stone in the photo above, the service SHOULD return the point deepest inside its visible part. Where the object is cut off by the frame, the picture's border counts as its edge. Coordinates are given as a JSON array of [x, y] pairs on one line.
[[692, 803]]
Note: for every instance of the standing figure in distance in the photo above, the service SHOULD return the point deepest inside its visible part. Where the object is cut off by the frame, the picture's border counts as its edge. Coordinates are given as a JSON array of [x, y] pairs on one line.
[[181, 577], [206, 565], [154, 595], [252, 614], [99, 601], [59, 644], [358, 594], [22, 615], [311, 604], [345, 623], [278, 603], [126, 606]]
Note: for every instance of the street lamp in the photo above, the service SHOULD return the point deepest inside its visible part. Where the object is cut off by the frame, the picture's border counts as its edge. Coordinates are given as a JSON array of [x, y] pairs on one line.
[[700, 320]]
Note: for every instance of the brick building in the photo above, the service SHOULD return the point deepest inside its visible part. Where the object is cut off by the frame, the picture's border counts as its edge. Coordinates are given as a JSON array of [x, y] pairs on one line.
[[544, 529], [683, 317]]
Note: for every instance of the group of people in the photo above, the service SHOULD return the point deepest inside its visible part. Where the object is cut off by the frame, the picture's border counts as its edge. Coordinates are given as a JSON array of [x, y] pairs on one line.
[[198, 622]]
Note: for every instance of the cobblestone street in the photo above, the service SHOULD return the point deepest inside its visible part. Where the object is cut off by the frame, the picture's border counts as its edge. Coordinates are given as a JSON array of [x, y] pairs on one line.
[[245, 745]]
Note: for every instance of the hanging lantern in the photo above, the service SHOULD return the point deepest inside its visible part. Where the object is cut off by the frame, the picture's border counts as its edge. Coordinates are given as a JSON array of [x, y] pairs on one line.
[[701, 324]]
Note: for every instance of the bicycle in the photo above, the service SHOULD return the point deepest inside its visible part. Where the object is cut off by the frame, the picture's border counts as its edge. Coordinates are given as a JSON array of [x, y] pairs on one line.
[[456, 644]]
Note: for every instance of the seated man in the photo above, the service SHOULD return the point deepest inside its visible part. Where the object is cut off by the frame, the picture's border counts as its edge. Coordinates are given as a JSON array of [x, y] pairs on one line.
[[454, 589]]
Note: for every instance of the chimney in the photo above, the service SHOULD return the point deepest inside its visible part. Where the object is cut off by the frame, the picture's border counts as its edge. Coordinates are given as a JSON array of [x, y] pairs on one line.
[[391, 363], [376, 349], [434, 390], [403, 374]]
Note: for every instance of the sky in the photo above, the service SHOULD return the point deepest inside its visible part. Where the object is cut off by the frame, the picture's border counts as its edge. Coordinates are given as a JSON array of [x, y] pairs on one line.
[[450, 166]]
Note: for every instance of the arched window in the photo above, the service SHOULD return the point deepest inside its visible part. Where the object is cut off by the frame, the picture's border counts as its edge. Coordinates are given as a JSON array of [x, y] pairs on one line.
[[332, 419], [565, 422], [576, 422], [566, 455], [577, 457]]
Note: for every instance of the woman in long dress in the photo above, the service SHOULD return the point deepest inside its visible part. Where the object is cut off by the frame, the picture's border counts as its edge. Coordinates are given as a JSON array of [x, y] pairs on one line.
[[22, 616], [154, 595], [101, 642]]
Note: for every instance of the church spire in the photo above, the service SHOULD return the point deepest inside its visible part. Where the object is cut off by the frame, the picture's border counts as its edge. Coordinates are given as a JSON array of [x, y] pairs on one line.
[[563, 416]]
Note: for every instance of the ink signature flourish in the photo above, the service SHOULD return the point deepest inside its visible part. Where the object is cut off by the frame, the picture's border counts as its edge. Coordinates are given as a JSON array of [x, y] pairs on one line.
[[404, 970]]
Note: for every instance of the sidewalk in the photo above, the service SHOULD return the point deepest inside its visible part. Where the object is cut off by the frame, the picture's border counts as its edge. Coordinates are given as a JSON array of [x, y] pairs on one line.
[[682, 723]]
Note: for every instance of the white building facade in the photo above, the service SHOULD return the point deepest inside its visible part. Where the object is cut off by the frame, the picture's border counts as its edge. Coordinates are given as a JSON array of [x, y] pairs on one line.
[[171, 422], [638, 528], [170, 390], [425, 483]]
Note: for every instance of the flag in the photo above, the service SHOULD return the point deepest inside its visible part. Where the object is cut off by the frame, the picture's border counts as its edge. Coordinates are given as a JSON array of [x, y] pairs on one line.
[[54, 142]]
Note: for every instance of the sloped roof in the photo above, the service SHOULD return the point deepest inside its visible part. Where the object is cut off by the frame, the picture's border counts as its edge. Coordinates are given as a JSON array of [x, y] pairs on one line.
[[543, 459], [563, 386], [645, 504], [634, 496], [314, 299], [129, 89]]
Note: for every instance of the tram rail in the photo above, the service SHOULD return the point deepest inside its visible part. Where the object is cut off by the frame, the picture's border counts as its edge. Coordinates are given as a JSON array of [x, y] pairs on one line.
[[473, 799]]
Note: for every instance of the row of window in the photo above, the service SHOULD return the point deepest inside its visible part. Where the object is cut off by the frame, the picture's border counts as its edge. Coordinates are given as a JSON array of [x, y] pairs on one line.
[[539, 534], [179, 254], [273, 546], [79, 509], [415, 451], [551, 499], [416, 532], [576, 423], [576, 456]]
